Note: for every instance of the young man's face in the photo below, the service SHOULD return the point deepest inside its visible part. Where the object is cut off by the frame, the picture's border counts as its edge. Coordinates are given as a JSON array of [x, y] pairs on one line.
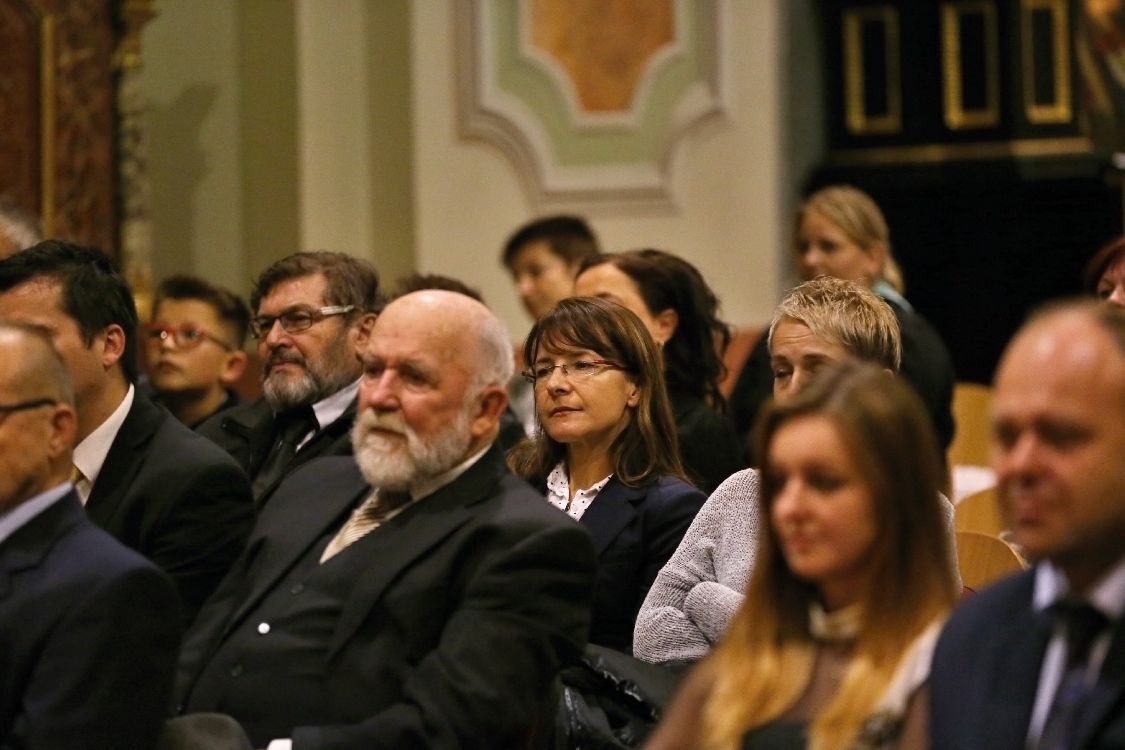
[[187, 348]]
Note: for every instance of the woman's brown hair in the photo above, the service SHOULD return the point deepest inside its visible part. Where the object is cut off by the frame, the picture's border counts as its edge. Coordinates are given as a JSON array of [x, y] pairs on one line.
[[647, 446]]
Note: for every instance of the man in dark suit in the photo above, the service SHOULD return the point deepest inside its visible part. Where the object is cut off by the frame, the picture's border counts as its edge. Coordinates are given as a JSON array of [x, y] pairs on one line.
[[89, 628], [311, 310], [145, 478], [1038, 660], [432, 611]]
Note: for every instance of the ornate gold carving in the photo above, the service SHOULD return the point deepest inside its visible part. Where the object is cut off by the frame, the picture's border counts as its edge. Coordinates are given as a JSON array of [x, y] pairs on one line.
[[47, 125], [942, 152], [858, 120], [957, 116], [1058, 110]]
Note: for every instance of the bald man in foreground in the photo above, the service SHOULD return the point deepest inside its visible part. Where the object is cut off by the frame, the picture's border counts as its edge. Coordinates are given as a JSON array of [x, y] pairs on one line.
[[417, 595], [1037, 661], [89, 629]]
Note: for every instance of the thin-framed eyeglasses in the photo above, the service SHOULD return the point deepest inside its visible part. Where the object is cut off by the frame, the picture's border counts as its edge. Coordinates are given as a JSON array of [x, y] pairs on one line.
[[580, 369], [7, 410], [296, 319], [186, 336]]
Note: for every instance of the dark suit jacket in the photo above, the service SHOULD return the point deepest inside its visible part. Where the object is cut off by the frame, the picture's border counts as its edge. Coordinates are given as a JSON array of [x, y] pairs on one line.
[[464, 606], [88, 637], [709, 447], [174, 497], [635, 531], [247, 433], [986, 673]]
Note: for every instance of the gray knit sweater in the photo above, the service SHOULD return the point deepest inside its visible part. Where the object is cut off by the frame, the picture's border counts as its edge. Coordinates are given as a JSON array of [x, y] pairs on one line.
[[697, 592]]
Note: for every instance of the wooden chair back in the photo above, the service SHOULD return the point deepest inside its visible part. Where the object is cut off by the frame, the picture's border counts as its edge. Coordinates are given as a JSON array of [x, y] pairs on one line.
[[979, 512], [984, 559], [971, 441]]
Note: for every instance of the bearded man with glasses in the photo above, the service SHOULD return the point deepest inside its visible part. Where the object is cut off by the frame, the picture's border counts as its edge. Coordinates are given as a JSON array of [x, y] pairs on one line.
[[310, 312]]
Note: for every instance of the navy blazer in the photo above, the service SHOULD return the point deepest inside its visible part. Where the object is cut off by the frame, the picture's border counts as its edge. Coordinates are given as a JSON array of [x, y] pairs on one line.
[[460, 611], [89, 632], [635, 531], [986, 673], [174, 497]]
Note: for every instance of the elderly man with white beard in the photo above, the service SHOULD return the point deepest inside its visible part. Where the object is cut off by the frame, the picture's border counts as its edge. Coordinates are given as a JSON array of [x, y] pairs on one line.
[[416, 596]]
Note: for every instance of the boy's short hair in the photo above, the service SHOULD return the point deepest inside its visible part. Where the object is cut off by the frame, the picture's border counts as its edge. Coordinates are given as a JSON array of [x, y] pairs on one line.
[[230, 308]]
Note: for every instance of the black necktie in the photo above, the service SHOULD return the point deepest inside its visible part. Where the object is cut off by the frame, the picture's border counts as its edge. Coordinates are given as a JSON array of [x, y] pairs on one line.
[[1083, 624], [289, 428]]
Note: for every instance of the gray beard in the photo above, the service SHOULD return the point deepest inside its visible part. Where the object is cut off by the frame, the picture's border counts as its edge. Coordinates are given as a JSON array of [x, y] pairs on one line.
[[284, 392], [390, 465]]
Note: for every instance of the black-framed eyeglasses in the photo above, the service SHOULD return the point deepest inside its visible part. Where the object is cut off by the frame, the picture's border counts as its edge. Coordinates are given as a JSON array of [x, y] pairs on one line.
[[8, 409], [295, 320], [186, 336], [580, 369]]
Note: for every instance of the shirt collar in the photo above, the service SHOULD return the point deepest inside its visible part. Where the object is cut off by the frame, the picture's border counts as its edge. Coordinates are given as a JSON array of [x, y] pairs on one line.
[[328, 410], [89, 455], [21, 515], [1107, 595], [432, 485]]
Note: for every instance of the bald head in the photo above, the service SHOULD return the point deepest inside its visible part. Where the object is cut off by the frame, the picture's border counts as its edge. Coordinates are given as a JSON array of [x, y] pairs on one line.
[[435, 373], [1059, 437], [37, 421]]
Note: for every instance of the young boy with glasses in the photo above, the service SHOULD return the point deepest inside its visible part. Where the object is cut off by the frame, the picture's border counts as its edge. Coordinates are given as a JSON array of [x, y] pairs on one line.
[[193, 347]]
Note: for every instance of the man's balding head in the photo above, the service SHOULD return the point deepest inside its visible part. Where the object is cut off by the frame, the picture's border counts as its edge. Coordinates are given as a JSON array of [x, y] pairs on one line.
[[37, 420], [436, 367], [1059, 438]]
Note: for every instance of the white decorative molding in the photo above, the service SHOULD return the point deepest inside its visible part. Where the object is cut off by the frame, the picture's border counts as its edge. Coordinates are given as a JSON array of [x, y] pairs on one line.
[[490, 113]]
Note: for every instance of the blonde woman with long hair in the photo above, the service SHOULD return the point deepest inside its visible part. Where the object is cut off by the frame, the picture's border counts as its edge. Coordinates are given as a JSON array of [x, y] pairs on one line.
[[831, 648]]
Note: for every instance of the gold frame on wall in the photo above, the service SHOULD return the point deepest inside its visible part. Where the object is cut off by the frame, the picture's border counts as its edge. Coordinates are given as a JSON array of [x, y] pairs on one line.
[[857, 120], [1058, 111], [956, 116], [47, 34]]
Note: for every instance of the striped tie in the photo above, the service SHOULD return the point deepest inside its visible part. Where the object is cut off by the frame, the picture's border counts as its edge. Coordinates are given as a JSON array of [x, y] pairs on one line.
[[376, 509]]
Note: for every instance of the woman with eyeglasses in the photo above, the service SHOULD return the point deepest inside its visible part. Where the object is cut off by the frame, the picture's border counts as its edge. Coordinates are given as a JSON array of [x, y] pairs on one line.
[[606, 450], [678, 308], [832, 647]]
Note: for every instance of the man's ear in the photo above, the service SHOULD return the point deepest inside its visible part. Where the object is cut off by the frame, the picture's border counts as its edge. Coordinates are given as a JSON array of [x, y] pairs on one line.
[[361, 330], [64, 428], [112, 343], [489, 405], [233, 367]]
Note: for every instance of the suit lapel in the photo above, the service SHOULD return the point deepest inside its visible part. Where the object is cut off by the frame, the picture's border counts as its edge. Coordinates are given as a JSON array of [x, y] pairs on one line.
[[1105, 700], [613, 510], [301, 512], [29, 544], [1015, 679], [124, 459], [383, 554]]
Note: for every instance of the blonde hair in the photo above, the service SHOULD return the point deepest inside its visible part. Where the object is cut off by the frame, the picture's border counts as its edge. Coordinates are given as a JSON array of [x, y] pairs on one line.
[[765, 661], [845, 313], [859, 217]]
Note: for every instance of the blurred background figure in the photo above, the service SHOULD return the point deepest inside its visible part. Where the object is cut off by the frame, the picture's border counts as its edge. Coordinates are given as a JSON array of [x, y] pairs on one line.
[[90, 629], [543, 257], [193, 347], [606, 451], [832, 647], [839, 231], [19, 229], [681, 313], [1104, 276]]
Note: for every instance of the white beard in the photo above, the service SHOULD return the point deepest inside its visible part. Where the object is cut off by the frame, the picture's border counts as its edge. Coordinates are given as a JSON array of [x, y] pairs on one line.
[[390, 464]]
